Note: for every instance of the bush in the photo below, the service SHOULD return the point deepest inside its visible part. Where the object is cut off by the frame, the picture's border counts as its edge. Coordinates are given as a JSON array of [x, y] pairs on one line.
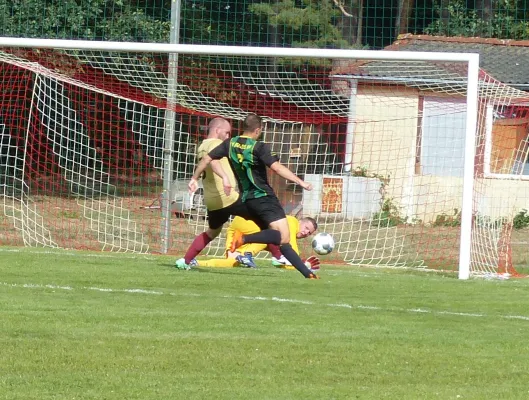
[[521, 220], [504, 23], [388, 216], [448, 220]]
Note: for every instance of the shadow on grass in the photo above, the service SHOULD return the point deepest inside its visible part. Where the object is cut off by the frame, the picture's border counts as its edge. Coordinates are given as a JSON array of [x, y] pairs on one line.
[[222, 271]]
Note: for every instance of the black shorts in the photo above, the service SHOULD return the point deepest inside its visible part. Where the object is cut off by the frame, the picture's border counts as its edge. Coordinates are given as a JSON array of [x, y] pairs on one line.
[[217, 218], [265, 210]]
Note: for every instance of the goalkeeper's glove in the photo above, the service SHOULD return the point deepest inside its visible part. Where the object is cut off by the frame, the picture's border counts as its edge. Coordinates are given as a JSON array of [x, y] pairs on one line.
[[313, 263]]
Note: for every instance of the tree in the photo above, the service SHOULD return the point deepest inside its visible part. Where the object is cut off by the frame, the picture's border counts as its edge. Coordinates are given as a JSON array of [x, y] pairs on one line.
[[491, 18], [350, 20], [71, 19], [220, 22], [317, 24], [404, 10]]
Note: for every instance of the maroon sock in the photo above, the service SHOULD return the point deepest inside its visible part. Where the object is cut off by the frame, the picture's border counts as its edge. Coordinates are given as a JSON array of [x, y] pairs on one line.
[[274, 250], [200, 242]]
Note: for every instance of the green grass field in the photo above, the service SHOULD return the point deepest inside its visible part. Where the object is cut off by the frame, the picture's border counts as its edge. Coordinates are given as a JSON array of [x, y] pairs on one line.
[[102, 326]]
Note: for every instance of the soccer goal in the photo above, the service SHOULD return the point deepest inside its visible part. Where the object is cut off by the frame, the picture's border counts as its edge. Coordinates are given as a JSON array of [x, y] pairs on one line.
[[417, 159]]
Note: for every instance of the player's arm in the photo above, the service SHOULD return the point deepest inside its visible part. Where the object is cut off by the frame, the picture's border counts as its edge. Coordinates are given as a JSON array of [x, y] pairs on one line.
[[293, 227], [238, 224], [271, 160], [284, 172], [202, 165], [216, 166], [216, 154], [245, 226]]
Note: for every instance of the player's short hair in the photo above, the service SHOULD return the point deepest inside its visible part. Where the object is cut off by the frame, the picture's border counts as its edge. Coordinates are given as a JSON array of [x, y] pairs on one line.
[[312, 221], [251, 123], [216, 122]]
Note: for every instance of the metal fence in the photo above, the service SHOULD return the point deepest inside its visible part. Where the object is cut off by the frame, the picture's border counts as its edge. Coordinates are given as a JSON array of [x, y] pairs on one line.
[[285, 23]]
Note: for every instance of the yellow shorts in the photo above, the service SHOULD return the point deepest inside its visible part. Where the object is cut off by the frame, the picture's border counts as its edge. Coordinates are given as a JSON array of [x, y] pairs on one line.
[[253, 248]]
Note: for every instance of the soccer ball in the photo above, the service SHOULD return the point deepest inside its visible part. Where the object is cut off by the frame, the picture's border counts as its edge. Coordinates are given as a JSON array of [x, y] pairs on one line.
[[323, 243]]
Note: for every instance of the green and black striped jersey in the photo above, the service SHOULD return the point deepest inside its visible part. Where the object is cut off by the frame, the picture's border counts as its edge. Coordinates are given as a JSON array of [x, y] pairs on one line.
[[248, 160]]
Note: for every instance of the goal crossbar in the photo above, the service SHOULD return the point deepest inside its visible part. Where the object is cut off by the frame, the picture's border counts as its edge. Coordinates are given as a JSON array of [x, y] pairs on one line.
[[237, 50], [472, 90]]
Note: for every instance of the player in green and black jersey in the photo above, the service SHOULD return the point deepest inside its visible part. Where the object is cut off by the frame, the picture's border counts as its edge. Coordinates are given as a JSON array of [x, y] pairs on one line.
[[248, 159]]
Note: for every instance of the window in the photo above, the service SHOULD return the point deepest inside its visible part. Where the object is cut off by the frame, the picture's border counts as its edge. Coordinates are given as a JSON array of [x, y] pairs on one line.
[[507, 145], [442, 137]]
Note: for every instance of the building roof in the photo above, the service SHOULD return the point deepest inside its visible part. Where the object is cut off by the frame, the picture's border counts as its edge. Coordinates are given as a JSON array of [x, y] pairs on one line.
[[505, 60], [449, 77]]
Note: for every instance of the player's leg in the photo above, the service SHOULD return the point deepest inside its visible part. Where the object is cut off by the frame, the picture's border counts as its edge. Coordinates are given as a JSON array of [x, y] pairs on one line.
[[244, 254], [253, 248], [286, 249], [200, 242], [274, 250], [234, 259], [278, 259], [219, 263], [266, 235], [269, 211], [216, 220]]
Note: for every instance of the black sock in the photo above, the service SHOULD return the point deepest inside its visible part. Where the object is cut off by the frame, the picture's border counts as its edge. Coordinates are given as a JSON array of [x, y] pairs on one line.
[[295, 260], [265, 236]]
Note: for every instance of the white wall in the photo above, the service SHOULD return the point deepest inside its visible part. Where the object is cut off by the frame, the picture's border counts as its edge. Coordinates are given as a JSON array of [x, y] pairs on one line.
[[385, 143]]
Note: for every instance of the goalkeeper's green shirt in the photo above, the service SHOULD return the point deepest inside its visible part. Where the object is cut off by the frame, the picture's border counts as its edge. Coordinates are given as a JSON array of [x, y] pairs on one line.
[[248, 159]]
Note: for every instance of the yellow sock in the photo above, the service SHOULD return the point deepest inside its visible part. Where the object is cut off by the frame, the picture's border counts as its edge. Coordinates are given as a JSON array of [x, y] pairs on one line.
[[219, 263]]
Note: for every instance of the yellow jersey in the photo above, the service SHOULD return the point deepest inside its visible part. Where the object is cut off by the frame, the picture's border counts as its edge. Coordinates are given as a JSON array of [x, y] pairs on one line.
[[248, 227], [214, 196]]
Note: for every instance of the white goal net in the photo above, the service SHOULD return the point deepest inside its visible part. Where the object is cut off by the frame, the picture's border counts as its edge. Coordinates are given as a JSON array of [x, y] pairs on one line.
[[89, 161]]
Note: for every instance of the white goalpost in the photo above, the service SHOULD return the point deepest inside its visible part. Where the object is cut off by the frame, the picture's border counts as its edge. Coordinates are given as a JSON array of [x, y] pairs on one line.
[[400, 147]]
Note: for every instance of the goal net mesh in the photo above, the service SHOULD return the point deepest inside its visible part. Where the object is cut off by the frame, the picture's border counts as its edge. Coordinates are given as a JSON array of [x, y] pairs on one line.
[[383, 142]]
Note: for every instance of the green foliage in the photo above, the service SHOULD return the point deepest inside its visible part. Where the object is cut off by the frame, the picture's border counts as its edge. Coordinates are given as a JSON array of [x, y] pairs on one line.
[[70, 19], [69, 214], [388, 216], [504, 23], [309, 24], [521, 220], [483, 221], [364, 172], [360, 171], [215, 22], [448, 220]]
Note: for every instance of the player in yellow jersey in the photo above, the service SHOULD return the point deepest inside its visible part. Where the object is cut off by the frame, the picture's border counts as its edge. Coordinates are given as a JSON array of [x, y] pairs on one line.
[[299, 229], [220, 205]]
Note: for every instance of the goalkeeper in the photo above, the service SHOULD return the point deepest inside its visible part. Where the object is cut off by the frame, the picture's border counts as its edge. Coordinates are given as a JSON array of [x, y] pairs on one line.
[[299, 229]]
